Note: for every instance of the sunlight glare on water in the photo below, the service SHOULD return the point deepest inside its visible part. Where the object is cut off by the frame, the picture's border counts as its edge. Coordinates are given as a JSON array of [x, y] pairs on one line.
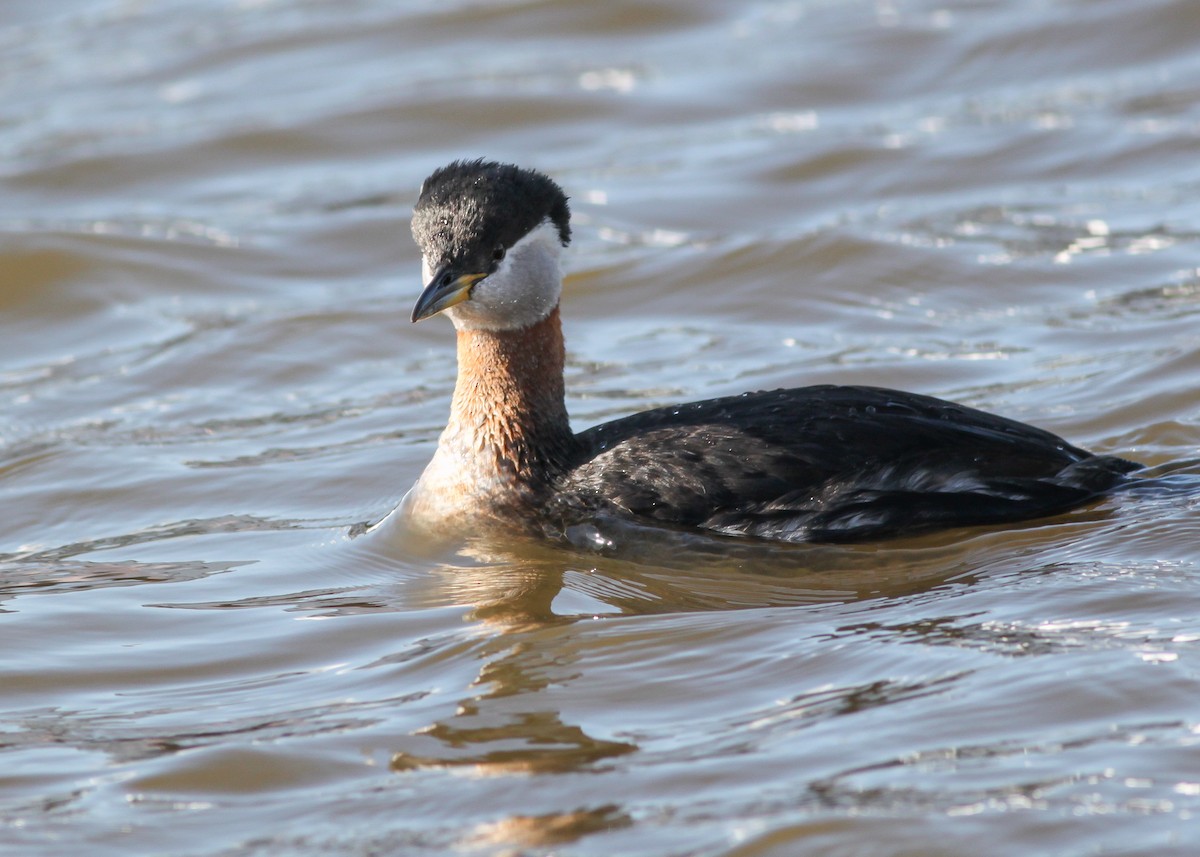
[[209, 380]]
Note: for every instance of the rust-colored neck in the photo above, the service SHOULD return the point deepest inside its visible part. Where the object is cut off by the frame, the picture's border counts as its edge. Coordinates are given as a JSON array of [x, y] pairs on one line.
[[508, 411]]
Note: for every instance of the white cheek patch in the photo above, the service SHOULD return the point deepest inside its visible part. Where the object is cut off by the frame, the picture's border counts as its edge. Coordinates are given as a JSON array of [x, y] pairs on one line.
[[521, 292]]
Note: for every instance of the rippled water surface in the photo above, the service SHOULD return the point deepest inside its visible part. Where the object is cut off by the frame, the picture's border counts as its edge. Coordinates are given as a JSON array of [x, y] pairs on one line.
[[208, 378]]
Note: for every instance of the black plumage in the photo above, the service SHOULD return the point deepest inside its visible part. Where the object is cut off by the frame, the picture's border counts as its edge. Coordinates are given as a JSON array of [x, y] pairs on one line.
[[830, 463]]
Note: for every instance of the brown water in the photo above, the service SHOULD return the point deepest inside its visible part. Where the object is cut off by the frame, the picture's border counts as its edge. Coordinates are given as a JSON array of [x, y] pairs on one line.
[[207, 376]]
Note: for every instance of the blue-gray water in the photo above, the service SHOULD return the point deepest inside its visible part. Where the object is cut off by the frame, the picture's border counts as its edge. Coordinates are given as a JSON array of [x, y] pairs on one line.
[[207, 376]]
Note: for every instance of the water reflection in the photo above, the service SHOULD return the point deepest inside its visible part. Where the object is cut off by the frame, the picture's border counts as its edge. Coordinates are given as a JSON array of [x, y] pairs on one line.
[[524, 598], [512, 583], [502, 724], [532, 831]]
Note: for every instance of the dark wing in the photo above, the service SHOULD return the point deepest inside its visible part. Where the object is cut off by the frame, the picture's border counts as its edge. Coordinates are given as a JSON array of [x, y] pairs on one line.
[[832, 464]]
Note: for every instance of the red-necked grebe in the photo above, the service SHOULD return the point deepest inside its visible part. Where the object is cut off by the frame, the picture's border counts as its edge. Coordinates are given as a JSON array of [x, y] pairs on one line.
[[827, 463]]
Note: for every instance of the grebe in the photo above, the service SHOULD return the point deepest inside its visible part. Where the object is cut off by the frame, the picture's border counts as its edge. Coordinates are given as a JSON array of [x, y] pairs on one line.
[[812, 464]]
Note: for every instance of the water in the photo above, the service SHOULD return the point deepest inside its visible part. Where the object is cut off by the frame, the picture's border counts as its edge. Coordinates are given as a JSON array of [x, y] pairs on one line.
[[207, 377]]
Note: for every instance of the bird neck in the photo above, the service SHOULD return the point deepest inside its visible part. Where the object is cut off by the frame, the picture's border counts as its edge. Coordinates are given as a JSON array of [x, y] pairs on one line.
[[508, 435]]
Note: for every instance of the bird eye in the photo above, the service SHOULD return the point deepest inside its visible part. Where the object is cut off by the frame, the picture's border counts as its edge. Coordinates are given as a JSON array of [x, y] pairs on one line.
[[498, 253]]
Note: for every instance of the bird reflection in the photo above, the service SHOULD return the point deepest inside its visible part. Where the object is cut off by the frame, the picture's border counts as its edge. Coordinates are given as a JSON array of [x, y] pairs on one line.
[[525, 595], [505, 723], [508, 722], [528, 600], [533, 831]]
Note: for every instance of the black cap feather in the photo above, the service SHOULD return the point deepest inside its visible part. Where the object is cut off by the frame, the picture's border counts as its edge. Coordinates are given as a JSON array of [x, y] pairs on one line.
[[467, 210]]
